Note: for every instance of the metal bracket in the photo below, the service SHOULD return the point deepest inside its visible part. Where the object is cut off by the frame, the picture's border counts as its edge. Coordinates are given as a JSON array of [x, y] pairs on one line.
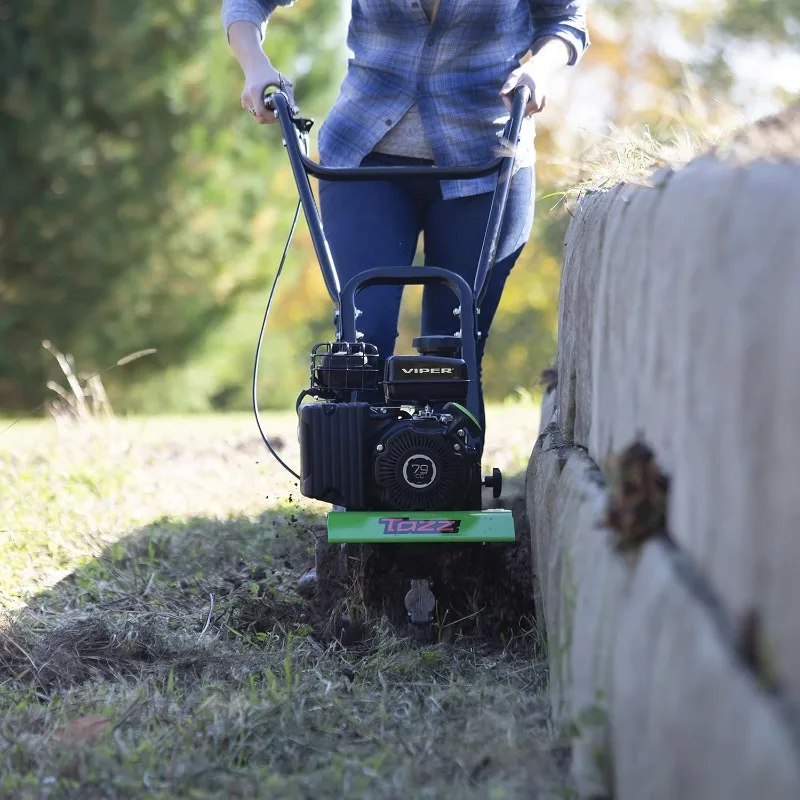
[[420, 602]]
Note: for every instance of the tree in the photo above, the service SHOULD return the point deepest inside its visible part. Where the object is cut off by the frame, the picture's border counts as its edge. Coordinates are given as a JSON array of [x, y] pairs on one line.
[[131, 180], [775, 21]]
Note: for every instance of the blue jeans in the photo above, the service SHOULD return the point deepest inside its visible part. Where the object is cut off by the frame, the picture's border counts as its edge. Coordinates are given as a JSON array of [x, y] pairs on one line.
[[377, 224]]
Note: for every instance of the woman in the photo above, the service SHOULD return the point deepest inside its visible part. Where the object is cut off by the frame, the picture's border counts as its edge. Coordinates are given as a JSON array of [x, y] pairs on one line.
[[429, 82]]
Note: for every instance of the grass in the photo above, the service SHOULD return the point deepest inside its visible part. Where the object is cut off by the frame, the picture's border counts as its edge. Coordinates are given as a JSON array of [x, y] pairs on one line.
[[152, 643]]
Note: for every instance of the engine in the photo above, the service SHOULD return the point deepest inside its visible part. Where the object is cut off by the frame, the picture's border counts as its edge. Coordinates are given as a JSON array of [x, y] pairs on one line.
[[413, 449]]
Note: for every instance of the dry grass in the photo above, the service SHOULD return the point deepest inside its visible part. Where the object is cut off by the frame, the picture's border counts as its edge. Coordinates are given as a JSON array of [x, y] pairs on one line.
[[637, 156], [153, 645]]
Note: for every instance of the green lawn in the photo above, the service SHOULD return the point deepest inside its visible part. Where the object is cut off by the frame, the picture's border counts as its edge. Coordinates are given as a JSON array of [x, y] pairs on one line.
[[152, 643]]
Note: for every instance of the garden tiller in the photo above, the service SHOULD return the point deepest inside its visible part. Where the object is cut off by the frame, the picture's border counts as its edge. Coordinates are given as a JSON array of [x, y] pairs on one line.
[[403, 475]]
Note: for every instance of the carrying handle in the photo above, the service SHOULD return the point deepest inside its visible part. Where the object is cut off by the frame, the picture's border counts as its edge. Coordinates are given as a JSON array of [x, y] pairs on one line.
[[407, 276]]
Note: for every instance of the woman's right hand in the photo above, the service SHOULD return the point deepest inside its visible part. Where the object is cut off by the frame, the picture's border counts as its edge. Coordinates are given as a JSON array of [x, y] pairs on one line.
[[259, 74], [256, 79]]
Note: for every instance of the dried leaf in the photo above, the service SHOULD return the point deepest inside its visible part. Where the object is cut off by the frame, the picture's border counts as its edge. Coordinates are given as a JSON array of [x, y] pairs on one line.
[[83, 729]]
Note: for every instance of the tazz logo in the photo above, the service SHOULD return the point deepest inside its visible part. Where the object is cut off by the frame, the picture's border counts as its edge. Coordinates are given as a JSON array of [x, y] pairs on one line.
[[393, 525]]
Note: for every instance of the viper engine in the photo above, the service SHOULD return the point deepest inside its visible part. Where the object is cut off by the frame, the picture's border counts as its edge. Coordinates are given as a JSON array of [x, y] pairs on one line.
[[417, 450]]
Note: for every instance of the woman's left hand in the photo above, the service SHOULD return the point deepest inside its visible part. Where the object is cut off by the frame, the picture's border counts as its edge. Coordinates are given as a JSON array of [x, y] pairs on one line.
[[525, 76], [549, 54]]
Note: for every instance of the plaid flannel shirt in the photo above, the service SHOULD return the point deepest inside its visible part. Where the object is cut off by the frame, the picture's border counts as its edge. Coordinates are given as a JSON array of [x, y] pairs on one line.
[[453, 67]]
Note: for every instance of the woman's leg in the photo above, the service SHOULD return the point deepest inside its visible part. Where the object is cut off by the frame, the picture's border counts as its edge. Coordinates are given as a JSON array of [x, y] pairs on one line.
[[372, 224], [454, 231]]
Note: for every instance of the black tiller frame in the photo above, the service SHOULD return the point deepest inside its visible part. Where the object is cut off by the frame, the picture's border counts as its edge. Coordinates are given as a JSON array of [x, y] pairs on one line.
[[295, 131]]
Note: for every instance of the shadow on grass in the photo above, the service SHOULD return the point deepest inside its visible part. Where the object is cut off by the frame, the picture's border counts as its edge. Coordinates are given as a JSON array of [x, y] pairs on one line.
[[153, 595], [183, 660]]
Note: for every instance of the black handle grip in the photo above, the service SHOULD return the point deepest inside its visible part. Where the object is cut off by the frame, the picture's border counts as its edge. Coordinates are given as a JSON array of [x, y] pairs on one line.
[[524, 95]]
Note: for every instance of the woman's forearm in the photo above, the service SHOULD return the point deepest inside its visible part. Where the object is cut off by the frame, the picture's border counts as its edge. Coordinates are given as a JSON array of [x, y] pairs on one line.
[[245, 41], [549, 54], [259, 74]]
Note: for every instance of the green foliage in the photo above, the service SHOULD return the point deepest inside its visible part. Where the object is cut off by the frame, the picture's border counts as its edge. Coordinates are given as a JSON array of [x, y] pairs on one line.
[[693, 66], [132, 181], [777, 21]]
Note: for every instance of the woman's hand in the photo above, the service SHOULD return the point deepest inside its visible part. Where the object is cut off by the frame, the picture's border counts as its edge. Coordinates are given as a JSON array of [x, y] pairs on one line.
[[525, 76], [548, 55], [256, 80], [259, 74]]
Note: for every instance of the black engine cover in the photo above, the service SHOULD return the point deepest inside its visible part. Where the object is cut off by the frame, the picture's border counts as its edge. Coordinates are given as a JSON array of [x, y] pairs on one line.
[[334, 452], [425, 379], [419, 468], [370, 460]]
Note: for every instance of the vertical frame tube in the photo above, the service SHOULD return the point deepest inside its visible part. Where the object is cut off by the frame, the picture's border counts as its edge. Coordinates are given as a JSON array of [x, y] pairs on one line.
[[520, 100], [291, 138]]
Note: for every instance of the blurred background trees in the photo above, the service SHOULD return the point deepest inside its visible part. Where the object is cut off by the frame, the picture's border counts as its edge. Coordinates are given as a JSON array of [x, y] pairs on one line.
[[139, 207]]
